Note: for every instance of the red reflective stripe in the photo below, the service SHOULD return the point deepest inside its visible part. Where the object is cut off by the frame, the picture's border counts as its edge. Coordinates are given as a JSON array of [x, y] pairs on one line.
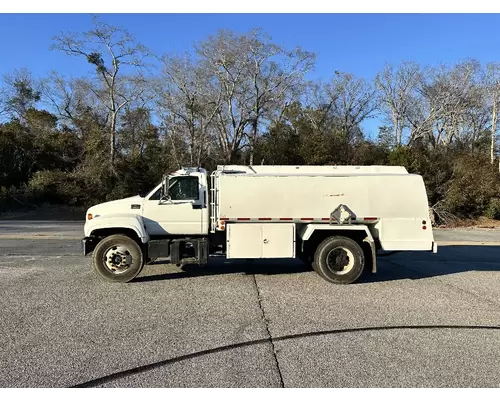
[[290, 219]]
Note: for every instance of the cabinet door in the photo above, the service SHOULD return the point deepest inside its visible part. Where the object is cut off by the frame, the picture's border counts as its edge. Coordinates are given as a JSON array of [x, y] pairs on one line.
[[244, 240], [278, 240], [272, 240]]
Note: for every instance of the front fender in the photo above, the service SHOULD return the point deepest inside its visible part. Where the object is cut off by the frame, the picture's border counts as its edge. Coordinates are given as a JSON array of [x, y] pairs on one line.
[[114, 221]]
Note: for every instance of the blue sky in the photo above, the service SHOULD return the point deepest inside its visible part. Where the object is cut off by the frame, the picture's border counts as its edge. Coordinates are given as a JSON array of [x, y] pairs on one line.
[[356, 43]]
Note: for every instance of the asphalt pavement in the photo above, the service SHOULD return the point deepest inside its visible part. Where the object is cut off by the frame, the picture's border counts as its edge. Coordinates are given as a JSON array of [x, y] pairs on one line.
[[424, 320]]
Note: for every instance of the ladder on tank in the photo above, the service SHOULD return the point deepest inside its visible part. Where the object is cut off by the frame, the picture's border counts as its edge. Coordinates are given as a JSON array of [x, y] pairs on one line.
[[213, 202]]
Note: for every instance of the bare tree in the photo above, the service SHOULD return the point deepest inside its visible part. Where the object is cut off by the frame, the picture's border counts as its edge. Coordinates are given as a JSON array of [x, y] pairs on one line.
[[344, 103], [3, 101], [60, 95], [451, 94], [352, 100], [276, 76], [315, 107], [256, 80], [74, 102], [69, 98], [20, 93], [396, 88], [476, 120], [136, 132], [113, 52], [225, 58], [188, 103], [493, 89]]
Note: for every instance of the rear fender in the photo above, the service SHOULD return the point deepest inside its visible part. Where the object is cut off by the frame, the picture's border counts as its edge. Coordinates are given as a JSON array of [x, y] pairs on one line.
[[305, 233]]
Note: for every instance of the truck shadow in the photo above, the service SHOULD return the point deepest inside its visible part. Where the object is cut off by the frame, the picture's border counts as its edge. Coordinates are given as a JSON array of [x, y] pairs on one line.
[[405, 265], [448, 260], [222, 266]]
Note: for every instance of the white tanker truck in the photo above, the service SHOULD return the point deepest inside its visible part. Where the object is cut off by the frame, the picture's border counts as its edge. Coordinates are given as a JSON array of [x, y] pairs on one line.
[[334, 218]]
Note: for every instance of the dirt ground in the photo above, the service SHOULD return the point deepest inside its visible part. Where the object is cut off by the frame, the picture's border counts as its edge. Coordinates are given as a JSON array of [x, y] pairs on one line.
[[478, 223]]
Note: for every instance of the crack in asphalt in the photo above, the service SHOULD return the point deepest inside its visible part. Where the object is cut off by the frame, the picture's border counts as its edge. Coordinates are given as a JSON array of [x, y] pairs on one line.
[[270, 337], [152, 366]]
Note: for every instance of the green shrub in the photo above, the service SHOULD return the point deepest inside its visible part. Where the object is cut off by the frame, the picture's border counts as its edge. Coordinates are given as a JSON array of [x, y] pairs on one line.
[[12, 198], [57, 187], [4, 199], [493, 210], [475, 182]]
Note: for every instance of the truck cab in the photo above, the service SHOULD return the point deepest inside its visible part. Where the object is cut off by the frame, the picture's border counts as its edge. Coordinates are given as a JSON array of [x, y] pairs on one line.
[[152, 225], [183, 210], [179, 210]]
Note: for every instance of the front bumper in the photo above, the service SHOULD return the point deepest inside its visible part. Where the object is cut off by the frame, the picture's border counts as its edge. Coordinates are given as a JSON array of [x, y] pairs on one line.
[[88, 245]]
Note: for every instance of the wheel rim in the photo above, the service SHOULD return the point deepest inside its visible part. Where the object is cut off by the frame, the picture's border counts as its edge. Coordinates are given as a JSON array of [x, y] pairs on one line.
[[340, 260], [117, 259]]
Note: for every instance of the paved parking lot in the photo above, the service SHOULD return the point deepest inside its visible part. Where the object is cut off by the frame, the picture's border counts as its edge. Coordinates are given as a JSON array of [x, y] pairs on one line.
[[423, 320]]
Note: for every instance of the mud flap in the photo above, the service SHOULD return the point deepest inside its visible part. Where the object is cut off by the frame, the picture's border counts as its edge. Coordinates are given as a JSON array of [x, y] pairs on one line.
[[374, 253]]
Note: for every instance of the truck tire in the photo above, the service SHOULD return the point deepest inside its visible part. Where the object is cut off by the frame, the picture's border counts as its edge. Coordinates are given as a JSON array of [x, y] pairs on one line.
[[117, 258], [339, 259]]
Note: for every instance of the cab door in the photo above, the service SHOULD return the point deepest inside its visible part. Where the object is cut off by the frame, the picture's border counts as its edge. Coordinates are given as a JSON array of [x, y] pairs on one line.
[[181, 214]]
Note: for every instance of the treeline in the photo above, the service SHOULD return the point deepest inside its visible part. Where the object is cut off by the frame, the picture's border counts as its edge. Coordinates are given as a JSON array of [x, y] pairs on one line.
[[240, 98]]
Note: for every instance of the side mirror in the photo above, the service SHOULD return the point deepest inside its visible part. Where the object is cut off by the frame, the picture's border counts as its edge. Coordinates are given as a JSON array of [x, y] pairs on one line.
[[164, 190], [165, 185]]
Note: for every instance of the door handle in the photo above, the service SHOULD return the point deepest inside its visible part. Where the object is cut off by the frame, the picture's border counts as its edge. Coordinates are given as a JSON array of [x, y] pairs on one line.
[[266, 241]]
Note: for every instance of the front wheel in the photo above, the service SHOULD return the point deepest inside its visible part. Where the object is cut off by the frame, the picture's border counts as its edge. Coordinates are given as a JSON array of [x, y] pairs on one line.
[[117, 258], [339, 259]]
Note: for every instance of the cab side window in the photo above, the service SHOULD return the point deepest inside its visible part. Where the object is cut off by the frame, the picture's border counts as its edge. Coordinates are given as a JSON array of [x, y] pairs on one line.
[[184, 188]]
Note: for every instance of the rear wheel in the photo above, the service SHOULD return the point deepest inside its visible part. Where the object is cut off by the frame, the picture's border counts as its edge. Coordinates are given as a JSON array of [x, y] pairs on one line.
[[339, 259], [117, 258]]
